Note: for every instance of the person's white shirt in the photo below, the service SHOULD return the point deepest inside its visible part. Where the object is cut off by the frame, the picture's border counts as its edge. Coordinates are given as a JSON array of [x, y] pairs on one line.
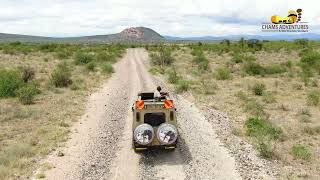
[[156, 94]]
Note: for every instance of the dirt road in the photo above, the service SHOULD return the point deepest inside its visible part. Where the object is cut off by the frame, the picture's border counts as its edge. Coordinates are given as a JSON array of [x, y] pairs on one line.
[[100, 145]]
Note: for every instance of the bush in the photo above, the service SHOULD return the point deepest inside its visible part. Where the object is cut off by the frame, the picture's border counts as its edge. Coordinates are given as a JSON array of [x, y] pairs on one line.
[[223, 74], [242, 96], [255, 109], [173, 77], [183, 85], [163, 57], [27, 93], [300, 152], [27, 74], [48, 47], [259, 127], [105, 57], [61, 76], [302, 42], [107, 68], [314, 98], [268, 97], [83, 58], [253, 68], [204, 65], [255, 44], [264, 146], [239, 58], [91, 66], [310, 62], [77, 84], [201, 60], [312, 130], [275, 69], [10, 82], [258, 89], [63, 54], [208, 87]]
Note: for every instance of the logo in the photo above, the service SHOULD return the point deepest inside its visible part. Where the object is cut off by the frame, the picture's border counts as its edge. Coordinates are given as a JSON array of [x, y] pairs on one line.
[[289, 23]]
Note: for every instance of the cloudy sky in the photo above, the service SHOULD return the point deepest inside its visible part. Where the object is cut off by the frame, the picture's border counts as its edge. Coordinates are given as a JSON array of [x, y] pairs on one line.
[[60, 18]]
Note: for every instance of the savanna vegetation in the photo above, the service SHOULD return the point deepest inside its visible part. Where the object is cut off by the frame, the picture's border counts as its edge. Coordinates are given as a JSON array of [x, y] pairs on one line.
[[43, 88], [270, 90]]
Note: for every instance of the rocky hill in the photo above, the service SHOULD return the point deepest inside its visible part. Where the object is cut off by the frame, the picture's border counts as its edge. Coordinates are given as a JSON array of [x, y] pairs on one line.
[[132, 34]]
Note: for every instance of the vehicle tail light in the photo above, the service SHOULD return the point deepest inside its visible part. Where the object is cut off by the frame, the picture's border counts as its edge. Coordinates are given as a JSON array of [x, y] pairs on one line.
[[168, 104], [140, 104]]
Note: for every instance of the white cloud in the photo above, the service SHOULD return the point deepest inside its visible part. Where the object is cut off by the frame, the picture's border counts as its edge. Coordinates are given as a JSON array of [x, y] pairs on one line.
[[168, 17]]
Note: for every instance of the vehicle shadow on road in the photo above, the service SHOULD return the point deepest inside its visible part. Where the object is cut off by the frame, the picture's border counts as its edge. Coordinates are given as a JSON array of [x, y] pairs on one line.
[[154, 157]]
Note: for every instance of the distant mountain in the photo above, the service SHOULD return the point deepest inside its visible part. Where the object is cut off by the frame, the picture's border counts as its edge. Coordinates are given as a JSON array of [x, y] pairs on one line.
[[143, 34], [310, 36], [133, 34]]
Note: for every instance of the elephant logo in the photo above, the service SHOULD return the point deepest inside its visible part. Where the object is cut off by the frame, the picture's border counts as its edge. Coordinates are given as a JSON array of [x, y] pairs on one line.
[[291, 18]]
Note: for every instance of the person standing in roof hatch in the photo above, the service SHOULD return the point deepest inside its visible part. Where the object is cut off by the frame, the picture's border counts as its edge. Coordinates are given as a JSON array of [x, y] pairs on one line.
[[158, 94]]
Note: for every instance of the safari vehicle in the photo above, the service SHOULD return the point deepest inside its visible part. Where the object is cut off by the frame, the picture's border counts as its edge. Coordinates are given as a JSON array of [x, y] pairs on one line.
[[154, 122]]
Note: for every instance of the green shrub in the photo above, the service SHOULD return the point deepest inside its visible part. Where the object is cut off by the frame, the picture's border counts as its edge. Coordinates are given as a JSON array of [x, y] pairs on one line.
[[310, 62], [300, 152], [27, 74], [15, 152], [223, 74], [306, 112], [255, 108], [253, 68], [182, 85], [173, 77], [268, 97], [302, 42], [163, 57], [275, 69], [264, 146], [288, 64], [259, 127], [201, 60], [61, 76], [311, 130], [258, 89], [91, 66], [254, 44], [27, 93], [83, 58], [314, 97], [208, 87], [48, 47], [242, 96], [156, 70], [77, 84], [10, 82], [105, 57], [107, 68], [204, 65], [63, 54], [305, 118], [239, 58]]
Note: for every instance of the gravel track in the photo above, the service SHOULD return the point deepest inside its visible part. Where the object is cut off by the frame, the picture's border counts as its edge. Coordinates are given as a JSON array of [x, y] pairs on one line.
[[100, 147]]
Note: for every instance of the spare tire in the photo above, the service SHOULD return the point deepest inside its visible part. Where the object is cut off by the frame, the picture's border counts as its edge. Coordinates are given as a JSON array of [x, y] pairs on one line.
[[143, 134], [167, 134]]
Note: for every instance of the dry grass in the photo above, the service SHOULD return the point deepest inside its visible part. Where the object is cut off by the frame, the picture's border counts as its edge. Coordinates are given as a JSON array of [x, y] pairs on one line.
[[283, 99], [29, 132]]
